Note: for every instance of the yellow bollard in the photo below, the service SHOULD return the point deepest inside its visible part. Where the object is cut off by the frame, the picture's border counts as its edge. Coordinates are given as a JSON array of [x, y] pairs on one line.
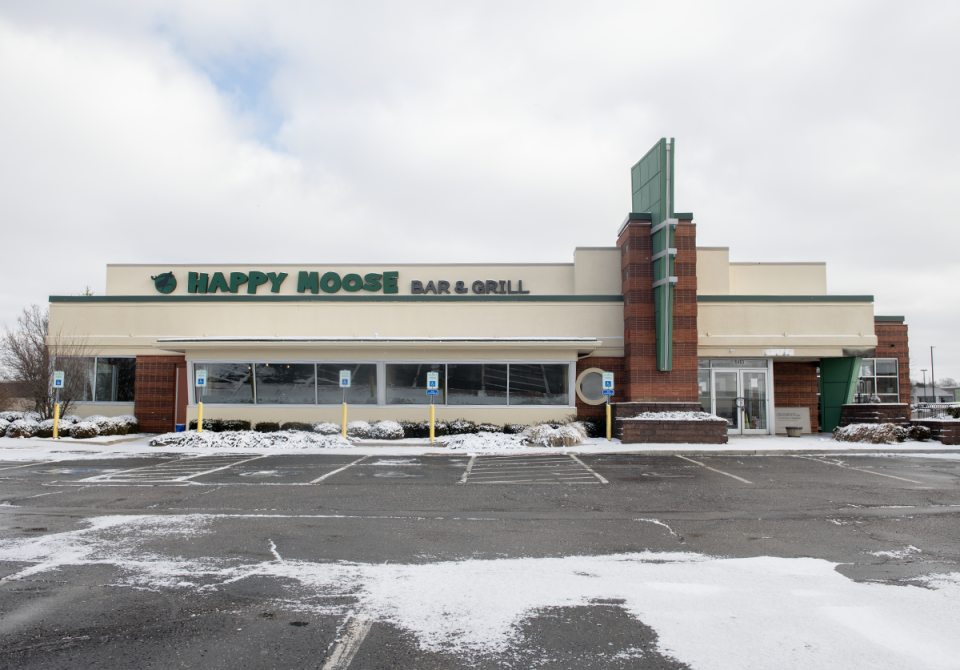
[[608, 422], [431, 423], [56, 421], [200, 417], [343, 422]]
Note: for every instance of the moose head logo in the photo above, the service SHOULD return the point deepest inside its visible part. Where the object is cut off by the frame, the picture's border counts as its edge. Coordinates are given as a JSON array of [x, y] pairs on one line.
[[165, 282]]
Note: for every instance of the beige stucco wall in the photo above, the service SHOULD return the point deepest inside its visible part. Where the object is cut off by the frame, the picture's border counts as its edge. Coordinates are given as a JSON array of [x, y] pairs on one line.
[[132, 328], [597, 271], [821, 329], [713, 271], [778, 279], [500, 416], [83, 410]]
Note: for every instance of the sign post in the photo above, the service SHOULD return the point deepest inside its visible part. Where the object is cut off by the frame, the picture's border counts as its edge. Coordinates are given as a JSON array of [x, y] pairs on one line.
[[433, 388], [345, 379], [201, 384], [57, 384], [607, 392]]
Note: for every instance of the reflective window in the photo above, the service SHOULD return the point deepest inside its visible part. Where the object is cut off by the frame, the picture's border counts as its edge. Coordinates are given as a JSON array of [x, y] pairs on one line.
[[407, 383], [878, 380], [230, 383], [703, 382], [539, 384], [476, 384], [89, 368], [363, 384], [591, 386], [115, 379], [285, 384]]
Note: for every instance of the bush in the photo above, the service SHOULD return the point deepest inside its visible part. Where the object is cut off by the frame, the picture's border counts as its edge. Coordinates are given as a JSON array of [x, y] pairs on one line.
[[105, 426], [10, 417], [489, 428], [874, 433], [4, 424], [32, 416], [22, 428], [410, 429], [514, 428], [70, 418], [84, 430], [421, 429], [462, 427], [46, 428], [297, 425], [126, 424], [920, 433], [267, 427], [326, 428], [359, 429], [386, 430], [234, 425], [545, 434], [954, 412], [595, 427]]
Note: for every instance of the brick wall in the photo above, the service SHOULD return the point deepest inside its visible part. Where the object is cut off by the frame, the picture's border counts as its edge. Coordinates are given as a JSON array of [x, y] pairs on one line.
[[612, 364], [948, 432], [155, 392], [898, 413], [670, 432], [892, 342], [795, 385], [643, 382]]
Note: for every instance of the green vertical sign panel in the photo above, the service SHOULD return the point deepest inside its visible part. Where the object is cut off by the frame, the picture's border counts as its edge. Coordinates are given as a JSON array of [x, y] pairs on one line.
[[652, 184], [838, 385]]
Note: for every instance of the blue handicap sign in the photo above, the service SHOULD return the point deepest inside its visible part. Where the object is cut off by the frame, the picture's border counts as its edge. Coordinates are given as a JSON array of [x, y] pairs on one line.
[[433, 391], [607, 391]]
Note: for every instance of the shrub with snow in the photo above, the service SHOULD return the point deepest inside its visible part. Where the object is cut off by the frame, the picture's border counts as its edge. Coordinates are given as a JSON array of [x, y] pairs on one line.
[[874, 433], [359, 429], [70, 418], [489, 428], [386, 430], [547, 435], [84, 430], [326, 428], [514, 428], [10, 417], [267, 427], [33, 416], [46, 428], [461, 427], [250, 439], [233, 425], [297, 425], [125, 424], [920, 433], [105, 425], [4, 424], [22, 428]]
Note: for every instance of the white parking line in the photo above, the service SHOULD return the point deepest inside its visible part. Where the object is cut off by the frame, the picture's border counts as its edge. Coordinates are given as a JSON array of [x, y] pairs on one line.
[[330, 474], [24, 466], [589, 469], [349, 644], [466, 473], [741, 479], [173, 472], [564, 469], [850, 467]]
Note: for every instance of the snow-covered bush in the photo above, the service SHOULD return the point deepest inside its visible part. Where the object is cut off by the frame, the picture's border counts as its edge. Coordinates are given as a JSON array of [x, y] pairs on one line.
[[46, 428], [84, 430], [462, 427], [489, 428], [126, 424], [22, 428], [920, 433], [514, 428], [297, 425], [267, 427], [10, 417], [70, 418], [105, 425], [233, 425], [874, 433], [4, 424], [386, 430], [563, 436], [33, 416], [359, 429], [326, 428]]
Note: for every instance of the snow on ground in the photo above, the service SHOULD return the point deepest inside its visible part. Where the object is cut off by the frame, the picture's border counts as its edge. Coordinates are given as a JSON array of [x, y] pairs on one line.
[[673, 416], [34, 449], [709, 612]]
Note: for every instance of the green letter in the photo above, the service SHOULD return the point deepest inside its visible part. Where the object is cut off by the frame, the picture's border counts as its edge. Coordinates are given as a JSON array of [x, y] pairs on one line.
[[218, 282], [352, 283], [197, 283], [373, 282], [325, 282], [237, 278], [256, 279], [276, 280], [390, 282], [308, 280]]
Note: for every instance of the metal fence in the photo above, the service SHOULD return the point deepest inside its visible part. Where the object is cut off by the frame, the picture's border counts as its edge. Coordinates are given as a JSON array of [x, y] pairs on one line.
[[927, 410]]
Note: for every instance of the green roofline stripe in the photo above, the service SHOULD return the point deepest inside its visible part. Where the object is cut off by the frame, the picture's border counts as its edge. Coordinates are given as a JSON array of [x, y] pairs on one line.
[[889, 318], [784, 298], [332, 298]]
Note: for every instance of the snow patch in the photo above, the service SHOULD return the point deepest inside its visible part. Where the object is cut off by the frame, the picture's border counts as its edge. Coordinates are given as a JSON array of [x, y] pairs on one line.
[[248, 439], [672, 416]]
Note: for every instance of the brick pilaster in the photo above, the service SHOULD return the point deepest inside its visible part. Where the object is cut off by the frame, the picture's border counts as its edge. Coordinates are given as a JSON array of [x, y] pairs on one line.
[[893, 342], [155, 392]]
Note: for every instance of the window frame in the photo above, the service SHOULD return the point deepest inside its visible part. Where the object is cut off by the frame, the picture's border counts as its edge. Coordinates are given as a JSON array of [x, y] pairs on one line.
[[118, 403]]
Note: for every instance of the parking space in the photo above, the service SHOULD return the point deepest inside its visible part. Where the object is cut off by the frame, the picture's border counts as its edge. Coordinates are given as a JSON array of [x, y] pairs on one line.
[[176, 471], [424, 470], [558, 469]]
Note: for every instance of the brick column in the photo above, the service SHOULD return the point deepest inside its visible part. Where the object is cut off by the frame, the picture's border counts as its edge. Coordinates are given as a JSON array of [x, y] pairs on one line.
[[796, 385], [643, 382], [892, 342], [155, 392]]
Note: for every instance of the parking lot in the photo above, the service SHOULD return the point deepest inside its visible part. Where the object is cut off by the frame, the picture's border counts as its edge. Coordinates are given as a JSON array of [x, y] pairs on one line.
[[336, 561]]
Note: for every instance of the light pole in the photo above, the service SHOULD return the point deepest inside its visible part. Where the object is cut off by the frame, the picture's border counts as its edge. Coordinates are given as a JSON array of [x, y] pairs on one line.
[[924, 371], [933, 377]]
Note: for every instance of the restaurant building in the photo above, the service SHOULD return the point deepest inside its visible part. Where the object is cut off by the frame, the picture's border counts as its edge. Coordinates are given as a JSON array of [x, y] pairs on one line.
[[681, 327]]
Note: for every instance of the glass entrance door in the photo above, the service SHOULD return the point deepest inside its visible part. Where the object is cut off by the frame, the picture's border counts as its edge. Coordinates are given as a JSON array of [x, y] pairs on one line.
[[753, 390], [740, 397], [726, 390]]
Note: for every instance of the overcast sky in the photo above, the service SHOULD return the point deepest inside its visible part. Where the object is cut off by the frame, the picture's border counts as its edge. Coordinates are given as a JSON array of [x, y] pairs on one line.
[[309, 132]]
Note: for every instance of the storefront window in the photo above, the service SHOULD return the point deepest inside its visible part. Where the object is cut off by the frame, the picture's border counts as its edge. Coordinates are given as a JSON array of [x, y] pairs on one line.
[[540, 384], [878, 381], [285, 384], [228, 383], [407, 383], [476, 384], [107, 379], [363, 384], [703, 382]]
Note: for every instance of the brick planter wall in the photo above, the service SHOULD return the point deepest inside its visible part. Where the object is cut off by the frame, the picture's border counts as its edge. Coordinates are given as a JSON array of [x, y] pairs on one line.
[[795, 385], [896, 413], [948, 432], [664, 432], [155, 392]]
